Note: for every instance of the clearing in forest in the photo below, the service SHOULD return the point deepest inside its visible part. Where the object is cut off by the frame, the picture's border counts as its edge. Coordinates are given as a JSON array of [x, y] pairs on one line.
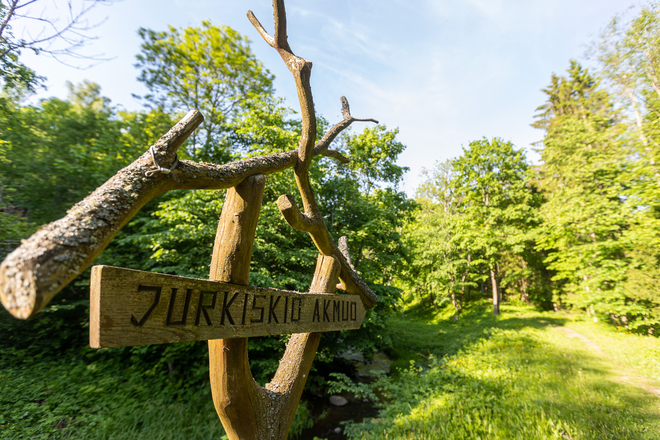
[[522, 375]]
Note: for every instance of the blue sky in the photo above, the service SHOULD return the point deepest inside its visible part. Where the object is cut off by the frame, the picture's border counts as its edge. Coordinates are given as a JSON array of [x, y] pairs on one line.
[[445, 72]]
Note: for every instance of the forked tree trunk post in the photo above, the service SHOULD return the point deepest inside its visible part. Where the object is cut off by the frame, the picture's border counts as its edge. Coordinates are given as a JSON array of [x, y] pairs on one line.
[[247, 410]]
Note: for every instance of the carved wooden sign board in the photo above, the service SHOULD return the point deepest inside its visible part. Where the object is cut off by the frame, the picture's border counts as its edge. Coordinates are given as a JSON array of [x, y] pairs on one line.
[[131, 307]]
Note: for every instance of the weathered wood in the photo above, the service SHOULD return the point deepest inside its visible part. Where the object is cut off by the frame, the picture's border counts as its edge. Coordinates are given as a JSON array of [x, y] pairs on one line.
[[131, 307], [43, 264], [236, 396], [289, 380], [310, 219], [247, 410]]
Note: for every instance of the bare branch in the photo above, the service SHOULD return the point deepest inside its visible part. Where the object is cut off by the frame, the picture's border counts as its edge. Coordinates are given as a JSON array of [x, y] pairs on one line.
[[336, 155], [255, 22], [71, 33], [331, 134], [281, 38], [311, 220]]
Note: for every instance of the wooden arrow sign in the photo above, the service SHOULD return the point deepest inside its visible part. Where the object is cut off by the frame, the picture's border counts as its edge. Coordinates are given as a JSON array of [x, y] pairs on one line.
[[131, 307]]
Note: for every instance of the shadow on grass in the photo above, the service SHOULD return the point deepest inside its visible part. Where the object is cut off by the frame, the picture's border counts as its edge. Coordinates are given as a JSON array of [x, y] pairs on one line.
[[511, 376], [426, 331]]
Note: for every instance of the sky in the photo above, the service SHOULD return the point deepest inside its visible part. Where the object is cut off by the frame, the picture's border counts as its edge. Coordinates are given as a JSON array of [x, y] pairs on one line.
[[445, 72]]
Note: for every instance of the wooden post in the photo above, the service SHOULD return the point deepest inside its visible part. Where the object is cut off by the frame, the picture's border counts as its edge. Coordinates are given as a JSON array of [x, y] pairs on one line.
[[248, 411], [290, 378], [233, 388]]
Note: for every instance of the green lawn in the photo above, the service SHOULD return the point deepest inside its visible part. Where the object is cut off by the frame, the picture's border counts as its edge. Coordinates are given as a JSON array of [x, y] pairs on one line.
[[518, 376]]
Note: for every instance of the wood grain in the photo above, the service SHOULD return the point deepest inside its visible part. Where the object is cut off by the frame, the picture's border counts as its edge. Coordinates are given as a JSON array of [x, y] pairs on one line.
[[130, 307]]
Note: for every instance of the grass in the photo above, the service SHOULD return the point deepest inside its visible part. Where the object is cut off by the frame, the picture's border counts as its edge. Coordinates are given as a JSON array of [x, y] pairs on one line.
[[516, 376], [71, 399], [640, 354], [513, 377]]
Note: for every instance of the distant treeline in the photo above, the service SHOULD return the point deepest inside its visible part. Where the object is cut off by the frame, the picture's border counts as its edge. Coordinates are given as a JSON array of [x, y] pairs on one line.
[[582, 228]]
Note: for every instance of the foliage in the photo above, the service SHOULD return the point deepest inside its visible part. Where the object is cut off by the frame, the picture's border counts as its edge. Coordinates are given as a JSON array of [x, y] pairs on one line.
[[54, 154], [492, 193], [208, 68], [628, 50], [13, 228], [478, 218], [13, 73], [587, 216]]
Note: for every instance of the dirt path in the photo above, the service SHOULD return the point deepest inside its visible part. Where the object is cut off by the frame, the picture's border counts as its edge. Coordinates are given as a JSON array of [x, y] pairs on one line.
[[623, 375]]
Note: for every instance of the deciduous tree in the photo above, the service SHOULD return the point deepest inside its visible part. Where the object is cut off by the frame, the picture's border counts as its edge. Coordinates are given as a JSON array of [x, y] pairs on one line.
[[209, 68]]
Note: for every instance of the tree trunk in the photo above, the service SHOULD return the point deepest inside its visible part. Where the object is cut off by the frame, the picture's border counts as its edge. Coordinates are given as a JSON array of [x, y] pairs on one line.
[[467, 268], [233, 388], [247, 410], [524, 292], [452, 294], [496, 293]]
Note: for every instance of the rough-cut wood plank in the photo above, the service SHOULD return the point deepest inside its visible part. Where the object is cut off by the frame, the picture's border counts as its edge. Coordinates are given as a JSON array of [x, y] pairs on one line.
[[130, 307]]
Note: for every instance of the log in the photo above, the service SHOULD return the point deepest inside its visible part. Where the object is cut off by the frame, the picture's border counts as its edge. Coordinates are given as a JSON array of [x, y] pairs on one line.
[[43, 264]]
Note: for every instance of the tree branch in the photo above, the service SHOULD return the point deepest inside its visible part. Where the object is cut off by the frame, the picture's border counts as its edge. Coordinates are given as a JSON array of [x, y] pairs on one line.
[[11, 10], [331, 134], [73, 26], [44, 263], [310, 220]]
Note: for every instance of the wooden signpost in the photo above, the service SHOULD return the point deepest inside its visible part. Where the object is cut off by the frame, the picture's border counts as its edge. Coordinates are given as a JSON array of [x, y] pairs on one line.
[[129, 307]]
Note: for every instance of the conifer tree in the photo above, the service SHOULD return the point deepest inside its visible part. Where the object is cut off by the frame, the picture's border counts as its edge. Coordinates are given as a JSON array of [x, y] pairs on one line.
[[581, 175]]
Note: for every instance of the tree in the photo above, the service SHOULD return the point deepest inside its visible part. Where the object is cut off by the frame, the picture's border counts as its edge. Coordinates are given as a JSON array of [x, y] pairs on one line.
[[629, 54], [476, 223], [209, 68], [581, 175], [440, 241], [490, 186], [61, 41], [58, 151]]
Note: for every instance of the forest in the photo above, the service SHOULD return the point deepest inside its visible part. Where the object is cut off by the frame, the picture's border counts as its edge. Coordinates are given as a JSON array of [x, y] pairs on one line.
[[490, 254]]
